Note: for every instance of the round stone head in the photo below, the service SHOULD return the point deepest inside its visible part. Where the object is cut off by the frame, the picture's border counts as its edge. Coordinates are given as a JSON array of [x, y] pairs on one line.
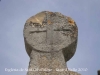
[[51, 32]]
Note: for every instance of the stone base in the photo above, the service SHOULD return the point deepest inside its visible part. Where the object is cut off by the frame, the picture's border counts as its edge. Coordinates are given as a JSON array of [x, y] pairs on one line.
[[73, 73]]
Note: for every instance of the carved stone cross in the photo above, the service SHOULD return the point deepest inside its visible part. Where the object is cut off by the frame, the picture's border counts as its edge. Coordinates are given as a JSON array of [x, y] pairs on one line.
[[50, 41]]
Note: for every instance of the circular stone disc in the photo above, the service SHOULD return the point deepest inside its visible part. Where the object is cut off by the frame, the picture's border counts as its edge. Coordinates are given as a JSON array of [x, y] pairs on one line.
[[48, 31]]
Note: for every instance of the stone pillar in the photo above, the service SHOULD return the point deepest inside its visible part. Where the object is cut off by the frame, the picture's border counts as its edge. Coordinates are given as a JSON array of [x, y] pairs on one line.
[[50, 41]]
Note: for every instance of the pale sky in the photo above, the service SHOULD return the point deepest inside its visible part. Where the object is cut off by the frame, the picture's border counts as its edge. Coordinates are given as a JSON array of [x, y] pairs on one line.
[[14, 13]]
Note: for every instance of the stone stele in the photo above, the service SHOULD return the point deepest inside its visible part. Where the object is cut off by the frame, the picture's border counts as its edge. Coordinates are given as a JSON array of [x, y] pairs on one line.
[[50, 41]]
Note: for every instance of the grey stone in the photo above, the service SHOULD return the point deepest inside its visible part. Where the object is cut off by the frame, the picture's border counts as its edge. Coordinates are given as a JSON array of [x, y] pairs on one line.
[[50, 41]]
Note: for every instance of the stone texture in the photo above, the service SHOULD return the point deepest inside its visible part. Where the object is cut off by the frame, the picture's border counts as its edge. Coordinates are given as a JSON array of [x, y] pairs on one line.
[[73, 73], [50, 41]]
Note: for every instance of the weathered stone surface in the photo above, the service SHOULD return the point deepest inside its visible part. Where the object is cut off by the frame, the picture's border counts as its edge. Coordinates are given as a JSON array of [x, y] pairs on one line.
[[50, 41], [73, 73]]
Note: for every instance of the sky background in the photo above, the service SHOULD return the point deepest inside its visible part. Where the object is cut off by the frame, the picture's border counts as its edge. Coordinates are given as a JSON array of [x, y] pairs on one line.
[[14, 13]]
